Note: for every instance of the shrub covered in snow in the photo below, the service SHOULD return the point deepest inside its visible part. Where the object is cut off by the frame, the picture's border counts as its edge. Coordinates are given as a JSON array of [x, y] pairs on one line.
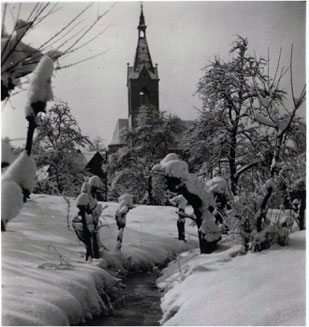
[[180, 181]]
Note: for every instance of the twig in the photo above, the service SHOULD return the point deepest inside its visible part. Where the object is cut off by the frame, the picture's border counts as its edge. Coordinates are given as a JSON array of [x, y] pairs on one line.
[[3, 19], [66, 26], [61, 257], [79, 62]]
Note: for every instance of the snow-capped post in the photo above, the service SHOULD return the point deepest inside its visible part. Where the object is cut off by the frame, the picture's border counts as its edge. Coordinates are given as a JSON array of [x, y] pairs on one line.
[[95, 209], [40, 92], [125, 204], [272, 118], [180, 202], [85, 223], [81, 223], [180, 181]]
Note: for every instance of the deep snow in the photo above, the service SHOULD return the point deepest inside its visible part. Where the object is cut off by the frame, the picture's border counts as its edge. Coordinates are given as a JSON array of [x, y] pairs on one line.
[[45, 280], [223, 288]]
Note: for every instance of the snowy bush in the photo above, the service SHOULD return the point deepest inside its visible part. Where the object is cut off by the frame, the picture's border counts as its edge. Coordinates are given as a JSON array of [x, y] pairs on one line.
[[180, 181]]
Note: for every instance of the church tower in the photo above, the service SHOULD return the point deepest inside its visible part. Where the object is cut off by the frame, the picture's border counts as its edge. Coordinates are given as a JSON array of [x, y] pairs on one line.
[[142, 77]]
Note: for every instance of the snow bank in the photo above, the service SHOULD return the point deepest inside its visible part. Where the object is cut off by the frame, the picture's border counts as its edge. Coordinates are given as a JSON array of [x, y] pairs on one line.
[[45, 280], [266, 288]]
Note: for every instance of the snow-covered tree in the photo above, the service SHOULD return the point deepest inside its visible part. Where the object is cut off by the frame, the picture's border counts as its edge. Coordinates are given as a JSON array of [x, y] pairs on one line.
[[149, 142], [224, 130], [56, 145], [281, 123], [97, 144], [246, 128]]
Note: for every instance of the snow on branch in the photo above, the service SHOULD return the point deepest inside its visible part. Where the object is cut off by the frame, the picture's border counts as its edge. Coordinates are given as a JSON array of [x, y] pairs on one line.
[[180, 181], [40, 86]]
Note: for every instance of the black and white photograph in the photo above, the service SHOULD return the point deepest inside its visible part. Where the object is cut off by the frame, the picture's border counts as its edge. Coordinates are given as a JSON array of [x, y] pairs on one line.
[[153, 165]]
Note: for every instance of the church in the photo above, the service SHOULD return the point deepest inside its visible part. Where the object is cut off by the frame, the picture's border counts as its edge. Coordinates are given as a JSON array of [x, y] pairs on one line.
[[143, 89]]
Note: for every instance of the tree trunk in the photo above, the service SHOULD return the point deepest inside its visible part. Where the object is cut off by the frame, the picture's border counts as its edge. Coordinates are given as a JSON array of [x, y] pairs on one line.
[[262, 212], [232, 161], [30, 132], [150, 190]]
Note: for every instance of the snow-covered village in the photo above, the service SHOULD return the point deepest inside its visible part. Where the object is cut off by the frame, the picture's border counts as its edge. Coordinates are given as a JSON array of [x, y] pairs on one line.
[[153, 163]]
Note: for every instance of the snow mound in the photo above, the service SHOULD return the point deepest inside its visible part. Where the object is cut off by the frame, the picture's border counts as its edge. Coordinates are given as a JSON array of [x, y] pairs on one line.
[[224, 288]]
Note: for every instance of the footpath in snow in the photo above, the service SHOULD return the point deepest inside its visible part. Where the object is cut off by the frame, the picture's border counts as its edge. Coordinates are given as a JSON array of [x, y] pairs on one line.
[[45, 280]]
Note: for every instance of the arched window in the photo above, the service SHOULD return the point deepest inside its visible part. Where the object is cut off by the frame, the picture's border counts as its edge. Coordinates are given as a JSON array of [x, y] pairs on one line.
[[141, 34], [143, 97]]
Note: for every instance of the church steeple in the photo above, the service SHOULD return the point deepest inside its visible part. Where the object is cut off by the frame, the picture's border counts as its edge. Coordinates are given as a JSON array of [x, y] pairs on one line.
[[142, 56], [142, 78], [142, 26]]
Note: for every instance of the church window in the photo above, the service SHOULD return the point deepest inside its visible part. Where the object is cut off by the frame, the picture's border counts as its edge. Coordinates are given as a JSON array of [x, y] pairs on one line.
[[143, 97]]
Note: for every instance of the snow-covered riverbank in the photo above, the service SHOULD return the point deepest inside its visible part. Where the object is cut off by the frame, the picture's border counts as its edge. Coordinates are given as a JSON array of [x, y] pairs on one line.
[[45, 280], [265, 288]]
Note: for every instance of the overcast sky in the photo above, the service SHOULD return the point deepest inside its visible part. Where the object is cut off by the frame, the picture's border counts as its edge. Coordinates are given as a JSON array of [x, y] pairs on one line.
[[182, 38]]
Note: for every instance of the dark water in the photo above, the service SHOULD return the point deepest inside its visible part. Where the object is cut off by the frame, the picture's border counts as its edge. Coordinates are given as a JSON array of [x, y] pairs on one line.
[[140, 305]]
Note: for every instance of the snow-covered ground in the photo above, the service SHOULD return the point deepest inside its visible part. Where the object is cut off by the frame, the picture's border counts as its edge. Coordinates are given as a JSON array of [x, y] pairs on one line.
[[45, 280], [223, 288]]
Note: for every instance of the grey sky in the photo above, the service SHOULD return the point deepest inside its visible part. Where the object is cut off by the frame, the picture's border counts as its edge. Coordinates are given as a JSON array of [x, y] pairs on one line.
[[182, 37]]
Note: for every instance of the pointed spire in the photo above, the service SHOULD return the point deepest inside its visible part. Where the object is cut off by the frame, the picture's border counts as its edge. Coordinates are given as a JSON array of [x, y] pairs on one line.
[[141, 17], [142, 26], [142, 55]]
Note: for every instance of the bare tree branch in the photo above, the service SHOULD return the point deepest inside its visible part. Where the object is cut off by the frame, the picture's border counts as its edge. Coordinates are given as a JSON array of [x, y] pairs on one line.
[[83, 60]]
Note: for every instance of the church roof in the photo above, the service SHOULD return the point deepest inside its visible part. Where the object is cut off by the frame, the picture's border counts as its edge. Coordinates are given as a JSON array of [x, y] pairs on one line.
[[121, 126], [134, 74]]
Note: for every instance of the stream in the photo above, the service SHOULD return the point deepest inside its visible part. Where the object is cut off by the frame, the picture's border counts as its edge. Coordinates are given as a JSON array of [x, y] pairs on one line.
[[141, 304]]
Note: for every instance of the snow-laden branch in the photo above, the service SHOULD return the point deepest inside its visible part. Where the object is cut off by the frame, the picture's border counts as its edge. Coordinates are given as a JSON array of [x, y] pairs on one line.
[[179, 180]]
